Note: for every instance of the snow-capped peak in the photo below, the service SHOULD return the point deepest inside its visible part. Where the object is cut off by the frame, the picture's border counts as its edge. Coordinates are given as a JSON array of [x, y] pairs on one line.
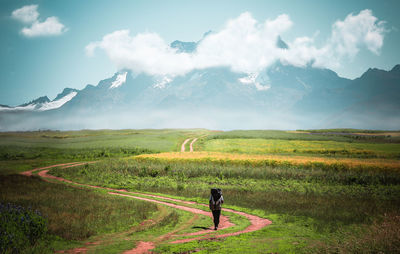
[[58, 103], [119, 80], [43, 103]]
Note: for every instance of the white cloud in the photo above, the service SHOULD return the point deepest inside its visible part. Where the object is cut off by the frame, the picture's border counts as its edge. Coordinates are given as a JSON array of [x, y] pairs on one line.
[[346, 39], [146, 52], [355, 31], [51, 26], [244, 45], [29, 14]]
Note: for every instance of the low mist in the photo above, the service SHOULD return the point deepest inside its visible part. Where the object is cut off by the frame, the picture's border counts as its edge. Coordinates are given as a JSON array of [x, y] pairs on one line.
[[204, 118]]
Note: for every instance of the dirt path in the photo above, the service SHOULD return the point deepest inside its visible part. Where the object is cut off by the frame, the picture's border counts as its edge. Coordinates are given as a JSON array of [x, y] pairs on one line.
[[191, 144], [30, 172], [225, 223], [142, 247], [256, 223], [183, 144]]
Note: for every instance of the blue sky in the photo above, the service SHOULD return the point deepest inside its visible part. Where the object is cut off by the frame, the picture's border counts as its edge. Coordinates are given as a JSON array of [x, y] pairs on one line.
[[41, 56]]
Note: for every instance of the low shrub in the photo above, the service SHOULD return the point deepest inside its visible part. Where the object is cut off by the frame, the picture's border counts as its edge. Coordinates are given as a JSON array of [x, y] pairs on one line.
[[20, 227]]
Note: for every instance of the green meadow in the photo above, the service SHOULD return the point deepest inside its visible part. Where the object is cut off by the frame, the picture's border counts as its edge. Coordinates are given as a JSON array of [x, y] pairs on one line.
[[315, 147], [349, 206], [21, 151]]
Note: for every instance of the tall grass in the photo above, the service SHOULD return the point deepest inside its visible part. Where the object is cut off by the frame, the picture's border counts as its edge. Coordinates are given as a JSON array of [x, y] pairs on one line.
[[331, 197], [74, 214], [331, 203], [383, 236]]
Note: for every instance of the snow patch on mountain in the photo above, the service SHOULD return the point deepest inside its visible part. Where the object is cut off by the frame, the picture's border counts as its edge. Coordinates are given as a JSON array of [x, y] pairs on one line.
[[161, 83], [57, 103], [41, 105], [119, 80]]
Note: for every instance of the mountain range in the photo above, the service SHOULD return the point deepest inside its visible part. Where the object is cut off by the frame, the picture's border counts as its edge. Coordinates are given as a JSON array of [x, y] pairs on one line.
[[279, 97]]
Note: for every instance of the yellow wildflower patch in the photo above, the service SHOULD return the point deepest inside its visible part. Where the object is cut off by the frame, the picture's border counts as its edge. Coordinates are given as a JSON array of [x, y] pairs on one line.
[[273, 159]]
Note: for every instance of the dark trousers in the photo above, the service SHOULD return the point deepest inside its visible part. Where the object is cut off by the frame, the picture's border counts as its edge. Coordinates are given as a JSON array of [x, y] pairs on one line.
[[216, 214]]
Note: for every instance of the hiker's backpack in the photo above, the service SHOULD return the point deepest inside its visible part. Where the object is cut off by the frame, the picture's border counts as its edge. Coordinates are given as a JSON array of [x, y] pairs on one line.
[[216, 194]]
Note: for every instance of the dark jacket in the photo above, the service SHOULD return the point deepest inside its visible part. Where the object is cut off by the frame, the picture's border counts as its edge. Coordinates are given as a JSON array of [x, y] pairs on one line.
[[216, 205]]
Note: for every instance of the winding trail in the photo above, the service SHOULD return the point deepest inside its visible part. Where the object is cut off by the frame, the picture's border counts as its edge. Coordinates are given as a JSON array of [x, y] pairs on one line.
[[256, 223], [183, 145], [191, 144], [183, 148], [30, 172], [225, 223]]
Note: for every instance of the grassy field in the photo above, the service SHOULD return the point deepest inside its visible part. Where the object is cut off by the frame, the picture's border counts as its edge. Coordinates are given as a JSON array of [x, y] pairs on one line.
[[275, 160], [21, 151], [325, 191], [345, 135], [72, 214], [280, 146], [319, 203]]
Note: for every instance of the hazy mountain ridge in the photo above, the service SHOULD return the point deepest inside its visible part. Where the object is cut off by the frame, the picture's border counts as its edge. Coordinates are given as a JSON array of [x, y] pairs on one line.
[[190, 46], [281, 96], [65, 92], [44, 103], [40, 100]]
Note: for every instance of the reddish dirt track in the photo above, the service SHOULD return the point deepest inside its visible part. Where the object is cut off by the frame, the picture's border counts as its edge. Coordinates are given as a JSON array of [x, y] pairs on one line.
[[191, 144], [183, 144], [30, 172], [225, 223], [256, 223], [142, 247]]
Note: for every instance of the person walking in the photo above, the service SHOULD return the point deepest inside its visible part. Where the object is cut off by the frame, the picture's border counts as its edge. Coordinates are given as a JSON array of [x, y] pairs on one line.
[[216, 200]]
